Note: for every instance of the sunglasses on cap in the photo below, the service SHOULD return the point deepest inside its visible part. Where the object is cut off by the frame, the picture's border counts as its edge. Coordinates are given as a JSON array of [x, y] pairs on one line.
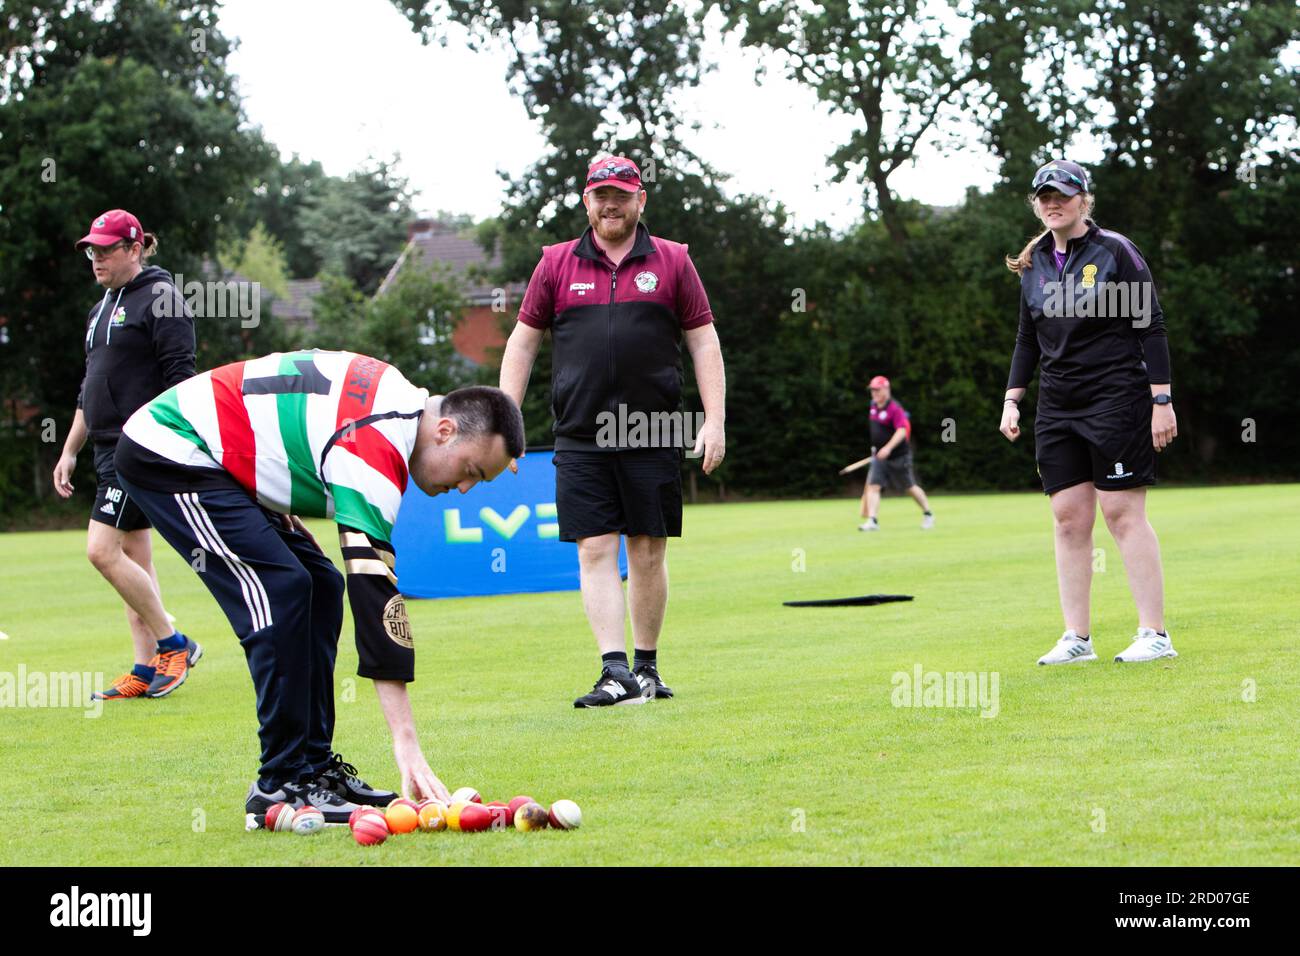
[[1050, 175], [626, 173]]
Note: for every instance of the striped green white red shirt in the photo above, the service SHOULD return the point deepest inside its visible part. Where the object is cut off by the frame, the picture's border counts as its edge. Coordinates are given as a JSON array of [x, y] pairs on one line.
[[312, 433]]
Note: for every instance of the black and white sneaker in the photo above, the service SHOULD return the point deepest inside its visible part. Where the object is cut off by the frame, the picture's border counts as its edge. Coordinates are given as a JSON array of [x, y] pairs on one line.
[[259, 801], [616, 687], [334, 808], [648, 672], [341, 778]]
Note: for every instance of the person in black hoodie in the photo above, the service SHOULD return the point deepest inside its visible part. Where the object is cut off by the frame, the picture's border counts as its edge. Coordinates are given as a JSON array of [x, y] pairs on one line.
[[135, 349]]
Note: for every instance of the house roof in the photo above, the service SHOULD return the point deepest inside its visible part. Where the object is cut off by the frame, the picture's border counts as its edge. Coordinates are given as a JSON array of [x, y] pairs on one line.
[[297, 305], [431, 242]]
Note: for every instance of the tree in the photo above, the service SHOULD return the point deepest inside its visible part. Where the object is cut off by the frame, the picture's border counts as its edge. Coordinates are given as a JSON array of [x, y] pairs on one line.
[[259, 257], [121, 105], [410, 325], [277, 200], [598, 77], [893, 64], [356, 226]]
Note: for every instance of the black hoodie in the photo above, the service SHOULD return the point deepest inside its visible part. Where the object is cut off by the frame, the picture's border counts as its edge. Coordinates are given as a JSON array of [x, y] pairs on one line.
[[139, 342]]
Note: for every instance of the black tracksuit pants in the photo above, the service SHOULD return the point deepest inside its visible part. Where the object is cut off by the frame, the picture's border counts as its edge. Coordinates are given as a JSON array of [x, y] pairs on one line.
[[283, 597]]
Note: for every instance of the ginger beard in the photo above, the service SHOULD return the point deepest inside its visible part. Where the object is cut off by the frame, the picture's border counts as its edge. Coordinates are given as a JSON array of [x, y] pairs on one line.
[[613, 213]]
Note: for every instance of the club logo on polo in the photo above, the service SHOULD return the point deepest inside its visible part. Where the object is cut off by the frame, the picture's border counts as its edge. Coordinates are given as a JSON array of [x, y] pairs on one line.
[[647, 281]]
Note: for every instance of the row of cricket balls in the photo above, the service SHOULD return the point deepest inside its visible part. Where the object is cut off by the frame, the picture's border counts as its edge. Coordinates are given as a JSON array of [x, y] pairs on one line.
[[465, 813]]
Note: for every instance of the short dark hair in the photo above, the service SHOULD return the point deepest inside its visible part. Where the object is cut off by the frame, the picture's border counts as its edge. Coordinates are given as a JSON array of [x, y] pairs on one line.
[[484, 410]]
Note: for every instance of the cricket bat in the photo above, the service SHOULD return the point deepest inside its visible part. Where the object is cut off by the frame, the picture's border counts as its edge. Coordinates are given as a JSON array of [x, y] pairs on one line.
[[858, 464]]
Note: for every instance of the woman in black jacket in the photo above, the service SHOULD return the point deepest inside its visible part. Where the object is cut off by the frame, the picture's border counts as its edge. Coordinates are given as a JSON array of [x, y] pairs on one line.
[[139, 342], [1091, 323]]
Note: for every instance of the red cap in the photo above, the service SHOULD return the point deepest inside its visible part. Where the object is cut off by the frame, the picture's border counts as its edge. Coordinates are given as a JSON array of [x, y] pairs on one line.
[[879, 382], [617, 171], [113, 226]]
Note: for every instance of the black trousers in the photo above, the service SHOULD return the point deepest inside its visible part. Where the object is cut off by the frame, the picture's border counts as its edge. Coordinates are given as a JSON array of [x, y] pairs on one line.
[[284, 599]]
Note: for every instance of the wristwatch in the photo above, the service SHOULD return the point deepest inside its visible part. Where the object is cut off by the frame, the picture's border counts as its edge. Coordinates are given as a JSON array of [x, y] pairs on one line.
[[1162, 400]]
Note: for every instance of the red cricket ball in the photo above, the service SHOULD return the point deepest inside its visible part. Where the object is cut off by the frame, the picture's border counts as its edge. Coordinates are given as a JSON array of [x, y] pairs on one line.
[[474, 817], [370, 829]]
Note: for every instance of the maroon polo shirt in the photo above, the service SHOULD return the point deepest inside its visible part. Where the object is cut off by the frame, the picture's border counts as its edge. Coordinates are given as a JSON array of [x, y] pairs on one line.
[[616, 330]]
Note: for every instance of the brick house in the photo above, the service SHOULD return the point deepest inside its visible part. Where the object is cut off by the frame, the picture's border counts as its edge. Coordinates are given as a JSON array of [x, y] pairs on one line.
[[481, 333]]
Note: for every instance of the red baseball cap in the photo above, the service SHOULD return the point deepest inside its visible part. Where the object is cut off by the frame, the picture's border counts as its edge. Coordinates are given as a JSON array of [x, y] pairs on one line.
[[879, 382], [617, 171], [113, 226]]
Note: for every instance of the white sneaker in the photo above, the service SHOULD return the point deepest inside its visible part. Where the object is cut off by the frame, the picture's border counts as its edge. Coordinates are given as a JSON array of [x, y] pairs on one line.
[[1070, 649], [869, 525], [927, 522], [1147, 646]]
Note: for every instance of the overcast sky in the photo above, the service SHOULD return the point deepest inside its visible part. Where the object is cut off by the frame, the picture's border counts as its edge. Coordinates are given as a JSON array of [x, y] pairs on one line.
[[339, 80]]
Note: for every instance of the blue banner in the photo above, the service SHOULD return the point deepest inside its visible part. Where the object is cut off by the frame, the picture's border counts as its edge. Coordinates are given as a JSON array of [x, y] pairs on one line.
[[500, 538]]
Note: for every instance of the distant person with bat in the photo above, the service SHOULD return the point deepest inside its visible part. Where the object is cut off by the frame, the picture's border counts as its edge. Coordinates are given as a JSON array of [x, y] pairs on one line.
[[891, 457]]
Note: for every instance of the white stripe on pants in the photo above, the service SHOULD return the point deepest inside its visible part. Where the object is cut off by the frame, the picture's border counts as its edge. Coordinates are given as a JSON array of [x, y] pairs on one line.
[[259, 606]]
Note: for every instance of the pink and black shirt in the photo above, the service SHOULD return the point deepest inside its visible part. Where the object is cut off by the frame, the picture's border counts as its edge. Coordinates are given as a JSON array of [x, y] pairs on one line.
[[617, 329]]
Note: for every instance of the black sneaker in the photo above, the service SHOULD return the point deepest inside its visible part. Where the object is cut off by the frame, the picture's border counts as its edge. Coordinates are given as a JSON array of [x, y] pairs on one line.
[[647, 672], [340, 777], [616, 687], [334, 808]]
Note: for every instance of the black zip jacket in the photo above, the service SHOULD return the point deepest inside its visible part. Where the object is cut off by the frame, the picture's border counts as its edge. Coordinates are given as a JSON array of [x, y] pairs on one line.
[[1095, 328], [139, 342], [616, 330]]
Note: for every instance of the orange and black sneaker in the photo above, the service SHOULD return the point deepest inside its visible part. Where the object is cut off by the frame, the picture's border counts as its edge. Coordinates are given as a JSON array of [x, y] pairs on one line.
[[172, 667], [126, 687]]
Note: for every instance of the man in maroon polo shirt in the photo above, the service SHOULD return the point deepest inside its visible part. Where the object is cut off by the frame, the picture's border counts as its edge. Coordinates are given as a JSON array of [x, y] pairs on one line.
[[891, 459], [618, 302]]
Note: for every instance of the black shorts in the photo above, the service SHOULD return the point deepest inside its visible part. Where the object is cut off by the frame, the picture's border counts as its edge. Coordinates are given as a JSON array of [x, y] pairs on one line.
[[628, 492], [1112, 448], [892, 474], [113, 506]]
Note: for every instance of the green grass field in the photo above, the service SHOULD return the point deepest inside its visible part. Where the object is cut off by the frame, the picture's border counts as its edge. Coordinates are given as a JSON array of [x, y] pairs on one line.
[[783, 716]]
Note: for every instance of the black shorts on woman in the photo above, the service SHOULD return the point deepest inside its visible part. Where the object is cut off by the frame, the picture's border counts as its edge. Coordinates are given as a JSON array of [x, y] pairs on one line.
[[1112, 448]]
